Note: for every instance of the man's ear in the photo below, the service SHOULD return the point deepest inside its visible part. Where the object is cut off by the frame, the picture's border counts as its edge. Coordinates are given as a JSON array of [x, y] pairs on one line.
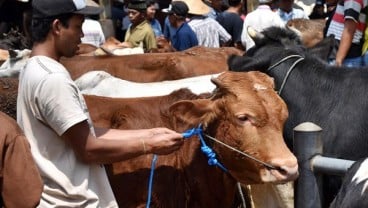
[[56, 26]]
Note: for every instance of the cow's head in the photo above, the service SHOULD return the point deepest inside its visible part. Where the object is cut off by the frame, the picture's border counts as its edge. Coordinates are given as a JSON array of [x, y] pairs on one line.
[[245, 113], [273, 44], [270, 44]]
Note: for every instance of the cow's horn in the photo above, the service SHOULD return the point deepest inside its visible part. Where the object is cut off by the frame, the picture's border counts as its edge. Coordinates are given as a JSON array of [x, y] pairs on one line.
[[254, 33]]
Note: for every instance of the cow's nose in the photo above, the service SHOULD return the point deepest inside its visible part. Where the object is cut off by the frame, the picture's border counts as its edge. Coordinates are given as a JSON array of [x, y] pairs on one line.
[[286, 169]]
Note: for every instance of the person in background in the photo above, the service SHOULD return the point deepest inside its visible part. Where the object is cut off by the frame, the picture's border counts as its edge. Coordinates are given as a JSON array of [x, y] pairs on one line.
[[259, 19], [169, 30], [139, 33], [184, 37], [93, 33], [232, 22], [68, 150], [365, 48], [318, 11], [347, 25], [286, 11], [208, 31], [92, 30], [330, 11], [216, 7], [117, 15], [152, 7]]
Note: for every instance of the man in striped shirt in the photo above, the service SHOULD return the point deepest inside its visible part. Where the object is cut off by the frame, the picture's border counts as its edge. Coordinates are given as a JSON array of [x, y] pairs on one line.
[[209, 32], [347, 25]]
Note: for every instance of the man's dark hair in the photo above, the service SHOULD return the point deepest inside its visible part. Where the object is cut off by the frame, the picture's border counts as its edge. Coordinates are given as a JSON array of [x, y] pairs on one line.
[[234, 2], [151, 2], [41, 26]]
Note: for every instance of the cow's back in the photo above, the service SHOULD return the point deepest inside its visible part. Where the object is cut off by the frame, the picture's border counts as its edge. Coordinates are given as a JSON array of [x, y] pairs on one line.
[[153, 67]]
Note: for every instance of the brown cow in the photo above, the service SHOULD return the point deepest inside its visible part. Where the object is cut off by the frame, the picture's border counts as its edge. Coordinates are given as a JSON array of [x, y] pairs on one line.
[[86, 49], [111, 44], [244, 112], [154, 67], [311, 31]]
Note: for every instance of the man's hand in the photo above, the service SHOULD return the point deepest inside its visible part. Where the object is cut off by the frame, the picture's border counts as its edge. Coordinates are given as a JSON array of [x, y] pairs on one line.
[[162, 141]]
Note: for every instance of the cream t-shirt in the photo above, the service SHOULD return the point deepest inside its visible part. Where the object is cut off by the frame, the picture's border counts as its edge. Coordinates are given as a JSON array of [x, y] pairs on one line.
[[48, 104]]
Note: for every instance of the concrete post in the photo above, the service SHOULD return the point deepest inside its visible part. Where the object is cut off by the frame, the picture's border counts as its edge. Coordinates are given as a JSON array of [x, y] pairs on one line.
[[307, 143]]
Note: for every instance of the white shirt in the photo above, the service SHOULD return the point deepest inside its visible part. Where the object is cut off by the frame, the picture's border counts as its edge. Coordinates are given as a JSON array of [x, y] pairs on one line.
[[93, 33], [259, 19], [209, 32], [48, 104]]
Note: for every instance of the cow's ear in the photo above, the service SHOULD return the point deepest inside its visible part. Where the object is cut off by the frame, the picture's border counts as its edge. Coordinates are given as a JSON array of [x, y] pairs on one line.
[[261, 80], [193, 112]]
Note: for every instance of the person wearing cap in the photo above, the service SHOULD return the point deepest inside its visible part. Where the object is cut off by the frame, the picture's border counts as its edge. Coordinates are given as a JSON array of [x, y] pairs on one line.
[[67, 149], [169, 30], [140, 32], [152, 7], [259, 19], [184, 37], [209, 32]]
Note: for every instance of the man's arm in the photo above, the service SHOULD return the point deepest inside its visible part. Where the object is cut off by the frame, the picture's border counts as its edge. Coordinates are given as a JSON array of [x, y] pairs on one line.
[[112, 145], [346, 39]]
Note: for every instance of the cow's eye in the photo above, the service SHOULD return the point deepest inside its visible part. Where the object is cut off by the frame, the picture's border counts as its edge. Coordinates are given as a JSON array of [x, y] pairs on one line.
[[243, 118]]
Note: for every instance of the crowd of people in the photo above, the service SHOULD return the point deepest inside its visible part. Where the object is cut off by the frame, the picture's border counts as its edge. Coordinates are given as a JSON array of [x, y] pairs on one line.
[[211, 23], [216, 23]]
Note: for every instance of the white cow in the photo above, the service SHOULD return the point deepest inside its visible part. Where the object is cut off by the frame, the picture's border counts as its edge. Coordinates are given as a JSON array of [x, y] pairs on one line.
[[102, 83], [12, 66]]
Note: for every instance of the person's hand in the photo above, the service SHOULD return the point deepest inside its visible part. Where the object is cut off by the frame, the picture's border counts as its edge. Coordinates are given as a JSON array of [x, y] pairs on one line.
[[162, 141], [338, 62], [125, 45]]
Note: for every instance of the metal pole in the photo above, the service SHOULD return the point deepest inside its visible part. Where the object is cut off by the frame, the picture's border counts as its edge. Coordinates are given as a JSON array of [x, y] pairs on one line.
[[307, 143], [330, 166]]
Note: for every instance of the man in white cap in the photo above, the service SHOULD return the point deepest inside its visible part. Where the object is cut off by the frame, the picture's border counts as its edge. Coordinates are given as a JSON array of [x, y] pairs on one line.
[[51, 111], [259, 19]]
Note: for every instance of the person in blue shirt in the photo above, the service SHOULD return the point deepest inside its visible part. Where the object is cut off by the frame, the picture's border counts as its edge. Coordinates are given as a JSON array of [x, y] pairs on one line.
[[184, 36], [169, 30], [152, 7]]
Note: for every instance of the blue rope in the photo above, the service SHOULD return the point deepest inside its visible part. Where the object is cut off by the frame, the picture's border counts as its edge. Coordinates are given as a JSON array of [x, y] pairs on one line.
[[153, 164], [211, 155]]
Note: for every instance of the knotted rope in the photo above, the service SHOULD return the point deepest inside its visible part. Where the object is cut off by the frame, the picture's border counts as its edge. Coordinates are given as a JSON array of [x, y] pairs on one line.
[[211, 155]]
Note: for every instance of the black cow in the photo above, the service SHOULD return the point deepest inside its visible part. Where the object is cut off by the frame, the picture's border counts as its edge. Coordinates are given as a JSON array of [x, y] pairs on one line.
[[353, 192], [335, 98]]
